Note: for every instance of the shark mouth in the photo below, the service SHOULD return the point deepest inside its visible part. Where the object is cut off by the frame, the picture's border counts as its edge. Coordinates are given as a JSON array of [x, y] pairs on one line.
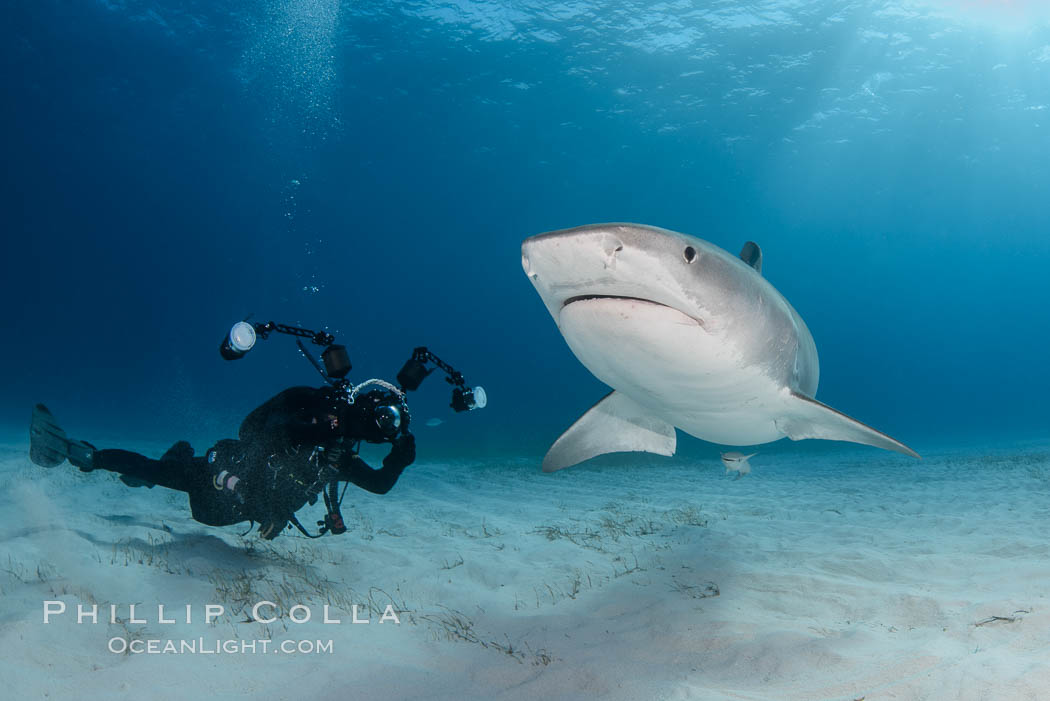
[[586, 298]]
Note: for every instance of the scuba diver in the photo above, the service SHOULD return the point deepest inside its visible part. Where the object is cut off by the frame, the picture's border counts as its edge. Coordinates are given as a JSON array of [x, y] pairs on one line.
[[297, 445]]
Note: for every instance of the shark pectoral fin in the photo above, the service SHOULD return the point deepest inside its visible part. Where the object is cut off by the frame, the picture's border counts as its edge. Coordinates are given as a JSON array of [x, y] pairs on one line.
[[808, 418], [616, 424]]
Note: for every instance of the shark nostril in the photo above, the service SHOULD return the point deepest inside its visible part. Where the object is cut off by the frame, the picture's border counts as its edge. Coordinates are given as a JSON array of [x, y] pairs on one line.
[[611, 245]]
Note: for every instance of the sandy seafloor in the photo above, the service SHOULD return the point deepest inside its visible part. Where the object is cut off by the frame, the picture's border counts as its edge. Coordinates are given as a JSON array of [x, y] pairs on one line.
[[822, 575]]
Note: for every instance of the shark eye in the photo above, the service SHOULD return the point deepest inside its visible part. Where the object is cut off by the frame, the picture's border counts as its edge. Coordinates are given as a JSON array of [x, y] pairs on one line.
[[689, 254]]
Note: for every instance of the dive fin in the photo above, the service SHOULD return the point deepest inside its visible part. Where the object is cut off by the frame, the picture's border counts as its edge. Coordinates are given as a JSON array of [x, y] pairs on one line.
[[616, 424], [752, 255], [49, 446], [808, 418]]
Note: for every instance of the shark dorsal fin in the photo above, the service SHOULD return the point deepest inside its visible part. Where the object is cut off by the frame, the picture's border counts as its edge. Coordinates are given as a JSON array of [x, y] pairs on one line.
[[752, 255]]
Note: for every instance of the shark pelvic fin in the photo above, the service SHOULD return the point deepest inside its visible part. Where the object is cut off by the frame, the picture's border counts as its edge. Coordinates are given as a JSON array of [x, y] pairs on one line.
[[808, 418], [616, 424]]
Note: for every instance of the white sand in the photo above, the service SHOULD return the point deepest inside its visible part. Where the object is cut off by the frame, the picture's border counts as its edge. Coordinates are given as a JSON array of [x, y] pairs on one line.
[[839, 576]]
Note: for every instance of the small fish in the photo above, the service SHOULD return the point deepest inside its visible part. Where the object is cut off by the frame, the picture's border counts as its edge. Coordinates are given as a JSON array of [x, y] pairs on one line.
[[434, 422], [737, 462]]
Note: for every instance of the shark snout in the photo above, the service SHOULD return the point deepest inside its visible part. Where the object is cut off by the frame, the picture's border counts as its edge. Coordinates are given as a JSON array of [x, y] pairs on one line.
[[563, 258], [526, 264]]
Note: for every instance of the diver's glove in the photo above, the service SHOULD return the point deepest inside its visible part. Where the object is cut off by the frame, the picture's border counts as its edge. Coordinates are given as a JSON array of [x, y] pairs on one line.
[[270, 529], [403, 453], [274, 507], [269, 514]]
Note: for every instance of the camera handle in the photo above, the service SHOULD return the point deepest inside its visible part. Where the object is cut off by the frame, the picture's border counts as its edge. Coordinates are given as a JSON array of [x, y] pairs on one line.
[[341, 383]]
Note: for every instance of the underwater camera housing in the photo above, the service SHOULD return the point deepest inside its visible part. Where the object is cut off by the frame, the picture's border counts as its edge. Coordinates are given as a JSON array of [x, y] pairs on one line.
[[378, 415]]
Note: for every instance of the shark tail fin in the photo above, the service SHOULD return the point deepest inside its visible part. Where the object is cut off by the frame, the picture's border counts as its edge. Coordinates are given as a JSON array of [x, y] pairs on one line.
[[808, 418], [616, 424]]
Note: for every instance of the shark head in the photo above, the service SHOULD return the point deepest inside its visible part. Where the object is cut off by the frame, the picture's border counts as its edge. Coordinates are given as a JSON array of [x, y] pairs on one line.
[[620, 261], [670, 279]]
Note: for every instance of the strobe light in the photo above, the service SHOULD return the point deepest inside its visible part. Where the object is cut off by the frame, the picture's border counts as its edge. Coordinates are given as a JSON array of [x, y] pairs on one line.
[[239, 341], [467, 399]]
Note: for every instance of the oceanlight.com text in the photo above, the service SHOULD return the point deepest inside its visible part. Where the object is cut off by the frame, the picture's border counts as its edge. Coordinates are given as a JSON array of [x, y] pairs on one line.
[[201, 646]]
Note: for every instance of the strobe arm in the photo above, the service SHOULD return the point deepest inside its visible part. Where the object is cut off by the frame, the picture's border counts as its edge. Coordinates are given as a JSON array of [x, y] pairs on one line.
[[415, 371], [321, 338], [452, 376], [243, 335]]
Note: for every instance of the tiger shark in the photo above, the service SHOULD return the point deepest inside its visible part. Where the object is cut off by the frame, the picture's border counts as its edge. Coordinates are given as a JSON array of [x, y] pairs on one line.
[[688, 336]]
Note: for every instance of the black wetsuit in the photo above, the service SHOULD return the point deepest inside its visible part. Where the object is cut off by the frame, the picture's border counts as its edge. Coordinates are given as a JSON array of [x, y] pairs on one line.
[[287, 452]]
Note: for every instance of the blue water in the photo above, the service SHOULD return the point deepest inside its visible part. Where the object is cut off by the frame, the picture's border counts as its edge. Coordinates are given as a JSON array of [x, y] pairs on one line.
[[371, 168]]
